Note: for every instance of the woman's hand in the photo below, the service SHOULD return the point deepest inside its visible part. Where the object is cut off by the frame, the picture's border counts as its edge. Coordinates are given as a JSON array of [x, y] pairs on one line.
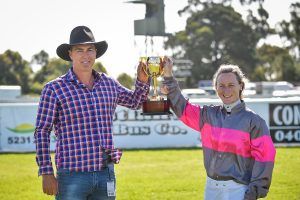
[[168, 66]]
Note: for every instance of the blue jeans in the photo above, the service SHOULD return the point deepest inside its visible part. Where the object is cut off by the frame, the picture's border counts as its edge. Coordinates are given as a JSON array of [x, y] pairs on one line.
[[85, 185]]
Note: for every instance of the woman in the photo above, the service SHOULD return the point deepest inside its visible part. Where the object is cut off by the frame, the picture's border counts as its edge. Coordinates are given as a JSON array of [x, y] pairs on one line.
[[238, 150]]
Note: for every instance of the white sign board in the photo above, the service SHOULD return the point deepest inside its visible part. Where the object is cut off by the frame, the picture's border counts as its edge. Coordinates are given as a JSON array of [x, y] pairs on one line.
[[17, 125], [133, 130]]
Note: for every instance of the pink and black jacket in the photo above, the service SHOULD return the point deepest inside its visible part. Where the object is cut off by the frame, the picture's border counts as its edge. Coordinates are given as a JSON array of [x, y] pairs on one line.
[[236, 147]]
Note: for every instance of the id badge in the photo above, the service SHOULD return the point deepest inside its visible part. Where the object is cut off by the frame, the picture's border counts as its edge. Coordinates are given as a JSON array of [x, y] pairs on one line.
[[111, 190]]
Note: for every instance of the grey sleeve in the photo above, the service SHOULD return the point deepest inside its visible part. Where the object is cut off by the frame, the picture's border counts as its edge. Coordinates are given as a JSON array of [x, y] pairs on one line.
[[263, 164], [178, 102]]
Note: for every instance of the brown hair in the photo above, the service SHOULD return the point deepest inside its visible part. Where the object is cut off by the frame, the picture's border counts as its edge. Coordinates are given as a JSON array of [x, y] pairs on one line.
[[229, 68]]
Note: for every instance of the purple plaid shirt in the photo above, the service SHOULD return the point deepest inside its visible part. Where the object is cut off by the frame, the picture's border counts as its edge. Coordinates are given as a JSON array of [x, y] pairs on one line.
[[82, 121]]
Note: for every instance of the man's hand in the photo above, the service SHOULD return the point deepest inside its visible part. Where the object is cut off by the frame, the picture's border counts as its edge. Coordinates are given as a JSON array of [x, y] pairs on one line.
[[50, 185], [141, 74]]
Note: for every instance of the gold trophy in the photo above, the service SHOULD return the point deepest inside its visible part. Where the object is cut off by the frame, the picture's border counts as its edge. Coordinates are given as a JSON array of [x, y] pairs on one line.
[[155, 104]]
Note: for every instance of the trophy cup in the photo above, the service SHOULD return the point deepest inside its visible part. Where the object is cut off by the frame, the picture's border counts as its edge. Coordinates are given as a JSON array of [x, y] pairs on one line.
[[155, 104]]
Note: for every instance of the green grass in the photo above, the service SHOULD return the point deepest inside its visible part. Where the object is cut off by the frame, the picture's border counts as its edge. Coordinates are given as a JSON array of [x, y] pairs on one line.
[[149, 174]]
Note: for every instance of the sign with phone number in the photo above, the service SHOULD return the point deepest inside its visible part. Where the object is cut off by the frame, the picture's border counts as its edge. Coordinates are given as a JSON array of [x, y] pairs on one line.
[[133, 130], [285, 122]]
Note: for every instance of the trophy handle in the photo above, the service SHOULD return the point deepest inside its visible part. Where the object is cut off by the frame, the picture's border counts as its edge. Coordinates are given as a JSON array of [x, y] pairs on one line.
[[161, 66], [154, 78]]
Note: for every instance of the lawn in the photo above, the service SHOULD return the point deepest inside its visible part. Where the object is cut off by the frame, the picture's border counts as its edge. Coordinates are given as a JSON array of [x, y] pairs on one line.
[[149, 174]]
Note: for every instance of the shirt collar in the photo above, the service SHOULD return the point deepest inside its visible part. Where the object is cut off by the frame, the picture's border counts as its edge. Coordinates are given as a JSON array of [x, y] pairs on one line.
[[228, 107], [70, 76]]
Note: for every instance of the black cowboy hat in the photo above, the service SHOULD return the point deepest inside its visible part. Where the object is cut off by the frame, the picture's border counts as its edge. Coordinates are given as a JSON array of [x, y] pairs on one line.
[[81, 35]]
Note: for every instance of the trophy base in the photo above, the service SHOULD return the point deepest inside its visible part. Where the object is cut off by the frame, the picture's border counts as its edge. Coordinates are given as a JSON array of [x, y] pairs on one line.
[[160, 107]]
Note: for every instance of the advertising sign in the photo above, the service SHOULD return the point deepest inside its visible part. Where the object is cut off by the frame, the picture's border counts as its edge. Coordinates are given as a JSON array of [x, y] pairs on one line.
[[133, 130], [285, 123], [17, 125]]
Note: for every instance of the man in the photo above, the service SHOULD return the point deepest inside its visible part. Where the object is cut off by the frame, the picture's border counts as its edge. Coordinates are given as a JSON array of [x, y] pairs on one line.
[[80, 106]]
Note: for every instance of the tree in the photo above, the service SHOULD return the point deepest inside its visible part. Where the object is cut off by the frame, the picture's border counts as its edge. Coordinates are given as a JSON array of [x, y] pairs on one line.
[[260, 24], [41, 58], [213, 36], [99, 67], [276, 63], [291, 30], [125, 80], [297, 66], [52, 69], [15, 70]]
